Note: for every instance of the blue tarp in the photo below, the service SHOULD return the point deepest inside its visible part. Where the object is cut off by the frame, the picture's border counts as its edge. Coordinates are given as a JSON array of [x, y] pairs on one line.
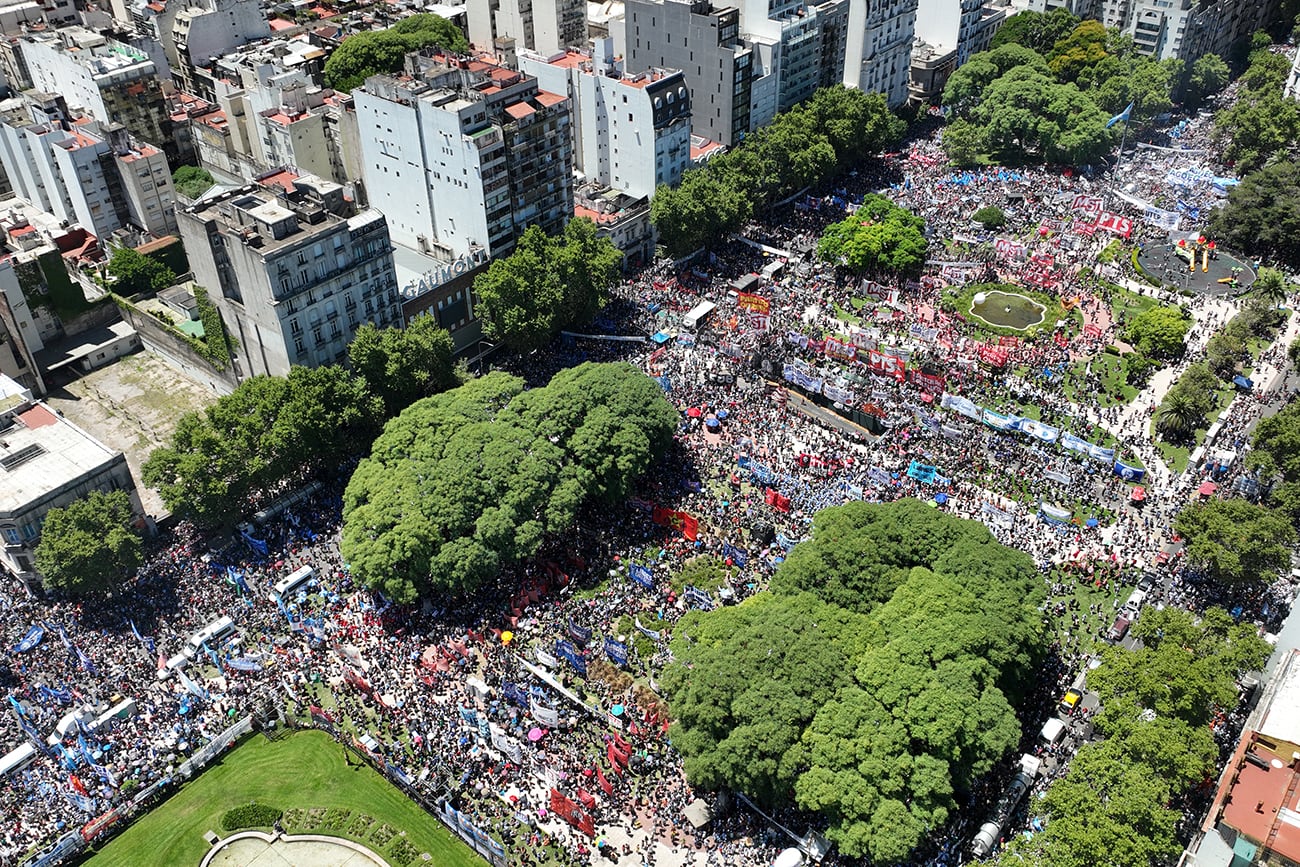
[[660, 338], [1242, 382]]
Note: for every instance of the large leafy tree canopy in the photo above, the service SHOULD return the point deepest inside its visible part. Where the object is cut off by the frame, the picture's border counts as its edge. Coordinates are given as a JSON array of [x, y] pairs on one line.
[[270, 431], [1048, 86], [1113, 808], [89, 545], [402, 365], [1262, 215], [371, 52], [876, 677], [1236, 542], [1159, 331], [878, 236], [547, 284], [471, 480], [810, 143], [1262, 125]]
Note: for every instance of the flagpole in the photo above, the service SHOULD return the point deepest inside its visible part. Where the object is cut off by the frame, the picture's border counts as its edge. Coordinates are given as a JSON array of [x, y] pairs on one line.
[[1119, 158]]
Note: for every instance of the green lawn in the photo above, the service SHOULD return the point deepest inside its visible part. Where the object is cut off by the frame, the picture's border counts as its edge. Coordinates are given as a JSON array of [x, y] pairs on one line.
[[306, 770], [1109, 368]]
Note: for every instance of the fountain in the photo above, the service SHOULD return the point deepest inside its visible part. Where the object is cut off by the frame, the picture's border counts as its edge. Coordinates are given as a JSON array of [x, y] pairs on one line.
[[1008, 310]]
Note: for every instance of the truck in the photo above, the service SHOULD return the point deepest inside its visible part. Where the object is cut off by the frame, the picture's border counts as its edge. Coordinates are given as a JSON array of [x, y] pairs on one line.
[[698, 314]]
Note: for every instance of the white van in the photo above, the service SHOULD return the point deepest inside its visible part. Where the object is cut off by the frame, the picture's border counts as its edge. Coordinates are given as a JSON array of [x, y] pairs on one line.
[[1052, 732], [215, 633], [292, 583]]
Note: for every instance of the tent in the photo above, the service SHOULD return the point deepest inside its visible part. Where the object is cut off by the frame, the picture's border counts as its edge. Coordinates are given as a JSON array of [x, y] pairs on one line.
[[697, 812], [1242, 382], [660, 338], [1139, 493], [1207, 489]]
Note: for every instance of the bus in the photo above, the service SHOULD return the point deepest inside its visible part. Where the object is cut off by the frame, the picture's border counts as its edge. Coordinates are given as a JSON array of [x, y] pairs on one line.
[[291, 583], [698, 314], [214, 634]]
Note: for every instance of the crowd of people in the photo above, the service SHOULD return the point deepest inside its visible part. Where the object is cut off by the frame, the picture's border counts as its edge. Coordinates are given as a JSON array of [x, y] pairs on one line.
[[473, 701]]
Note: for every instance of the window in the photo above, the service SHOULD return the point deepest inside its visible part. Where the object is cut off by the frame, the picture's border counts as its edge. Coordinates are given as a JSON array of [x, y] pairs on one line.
[[12, 537]]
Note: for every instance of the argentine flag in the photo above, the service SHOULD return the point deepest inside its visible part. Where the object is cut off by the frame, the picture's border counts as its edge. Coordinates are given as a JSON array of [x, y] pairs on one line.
[[1122, 116]]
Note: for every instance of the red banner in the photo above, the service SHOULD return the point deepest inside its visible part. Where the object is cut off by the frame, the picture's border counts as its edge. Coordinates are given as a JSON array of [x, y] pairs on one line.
[[1082, 228], [1008, 341], [570, 812], [605, 785], [993, 355], [753, 303], [887, 365], [839, 349], [1115, 224], [684, 522], [1091, 330], [930, 381]]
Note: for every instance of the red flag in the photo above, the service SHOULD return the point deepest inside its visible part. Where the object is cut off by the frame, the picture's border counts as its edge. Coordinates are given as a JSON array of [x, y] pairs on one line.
[[622, 745], [616, 759], [606, 786], [77, 784], [769, 496], [689, 526]]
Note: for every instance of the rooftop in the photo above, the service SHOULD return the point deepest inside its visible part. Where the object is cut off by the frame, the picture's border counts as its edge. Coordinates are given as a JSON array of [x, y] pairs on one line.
[[41, 452], [1263, 803]]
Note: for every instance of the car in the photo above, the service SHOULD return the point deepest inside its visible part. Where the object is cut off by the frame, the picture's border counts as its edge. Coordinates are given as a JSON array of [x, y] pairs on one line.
[[1147, 582], [1070, 702], [1120, 628]]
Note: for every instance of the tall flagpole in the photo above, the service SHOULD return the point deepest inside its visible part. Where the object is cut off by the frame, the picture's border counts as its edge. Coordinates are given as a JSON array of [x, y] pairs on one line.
[[1123, 136]]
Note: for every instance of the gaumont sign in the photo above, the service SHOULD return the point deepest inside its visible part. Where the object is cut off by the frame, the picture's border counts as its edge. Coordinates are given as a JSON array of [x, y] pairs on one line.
[[444, 272]]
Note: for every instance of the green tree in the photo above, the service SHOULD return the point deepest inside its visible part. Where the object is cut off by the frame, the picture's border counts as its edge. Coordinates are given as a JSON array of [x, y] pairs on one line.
[[470, 480], [1078, 52], [1262, 124], [1039, 31], [1159, 331], [402, 365], [1208, 75], [546, 284], [966, 86], [1236, 542], [834, 130], [1275, 445], [1179, 417], [878, 236], [746, 681], [1262, 215], [964, 143], [588, 264], [1272, 286], [371, 52], [1224, 352], [192, 181], [270, 431], [135, 273], [989, 217], [877, 675], [90, 545]]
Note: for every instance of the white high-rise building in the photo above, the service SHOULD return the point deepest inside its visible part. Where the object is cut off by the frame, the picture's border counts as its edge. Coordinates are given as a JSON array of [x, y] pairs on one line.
[[101, 181], [631, 133], [544, 26], [463, 155], [950, 24], [878, 47], [293, 269]]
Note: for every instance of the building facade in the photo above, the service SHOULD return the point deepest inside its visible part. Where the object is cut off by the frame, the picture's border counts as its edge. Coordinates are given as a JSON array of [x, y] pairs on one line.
[[463, 155], [878, 49], [544, 26], [631, 133], [705, 43], [46, 462], [67, 167], [293, 269]]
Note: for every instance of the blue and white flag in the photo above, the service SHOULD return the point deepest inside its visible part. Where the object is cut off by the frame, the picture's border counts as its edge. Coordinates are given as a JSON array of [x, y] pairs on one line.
[[652, 634], [194, 689], [698, 599], [1123, 116], [244, 664], [1128, 473], [29, 641], [85, 661]]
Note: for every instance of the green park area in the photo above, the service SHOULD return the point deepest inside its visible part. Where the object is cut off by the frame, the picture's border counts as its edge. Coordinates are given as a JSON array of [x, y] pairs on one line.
[[306, 776]]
